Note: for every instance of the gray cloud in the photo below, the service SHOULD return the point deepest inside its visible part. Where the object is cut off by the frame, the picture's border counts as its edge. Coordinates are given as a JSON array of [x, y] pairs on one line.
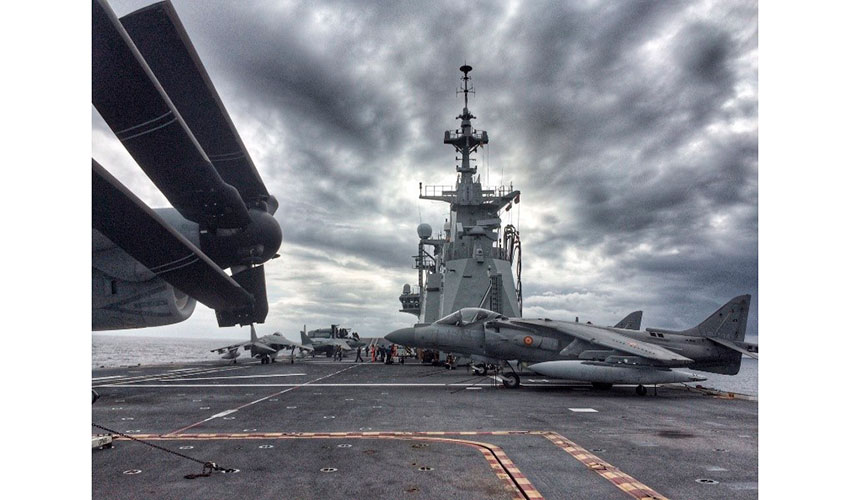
[[630, 127]]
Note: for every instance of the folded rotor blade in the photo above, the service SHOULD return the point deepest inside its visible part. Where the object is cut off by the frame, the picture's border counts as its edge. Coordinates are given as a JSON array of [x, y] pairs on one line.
[[140, 232], [134, 105], [160, 37], [253, 280]]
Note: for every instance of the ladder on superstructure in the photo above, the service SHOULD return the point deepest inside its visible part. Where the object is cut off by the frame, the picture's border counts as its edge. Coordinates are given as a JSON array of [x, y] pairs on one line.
[[496, 293]]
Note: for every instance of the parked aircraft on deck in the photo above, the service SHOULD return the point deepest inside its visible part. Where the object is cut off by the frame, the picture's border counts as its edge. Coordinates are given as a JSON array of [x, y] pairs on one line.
[[264, 348], [601, 355]]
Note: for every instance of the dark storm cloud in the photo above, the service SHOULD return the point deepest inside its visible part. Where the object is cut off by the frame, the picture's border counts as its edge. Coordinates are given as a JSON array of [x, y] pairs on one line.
[[630, 127], [378, 246]]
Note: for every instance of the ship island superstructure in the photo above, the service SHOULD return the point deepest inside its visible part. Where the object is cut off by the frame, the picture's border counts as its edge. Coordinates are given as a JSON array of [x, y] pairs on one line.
[[472, 262]]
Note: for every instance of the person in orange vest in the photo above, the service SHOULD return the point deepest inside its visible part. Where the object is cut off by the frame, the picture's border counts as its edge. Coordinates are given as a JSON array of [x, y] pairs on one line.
[[373, 353], [391, 352]]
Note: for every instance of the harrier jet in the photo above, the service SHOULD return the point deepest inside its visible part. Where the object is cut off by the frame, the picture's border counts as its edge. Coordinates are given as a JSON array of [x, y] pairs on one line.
[[601, 355], [326, 340], [149, 267], [264, 348]]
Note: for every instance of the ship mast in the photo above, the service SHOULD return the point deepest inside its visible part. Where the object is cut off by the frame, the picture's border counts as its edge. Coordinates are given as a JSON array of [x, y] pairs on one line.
[[466, 140]]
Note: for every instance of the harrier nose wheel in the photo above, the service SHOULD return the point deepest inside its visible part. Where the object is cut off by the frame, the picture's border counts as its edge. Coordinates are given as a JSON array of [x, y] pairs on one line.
[[510, 380]]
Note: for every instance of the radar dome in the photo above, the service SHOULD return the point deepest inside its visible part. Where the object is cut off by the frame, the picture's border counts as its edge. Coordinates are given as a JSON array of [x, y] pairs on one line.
[[424, 231]]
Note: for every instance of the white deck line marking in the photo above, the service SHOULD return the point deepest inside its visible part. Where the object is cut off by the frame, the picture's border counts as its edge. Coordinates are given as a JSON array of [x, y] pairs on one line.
[[296, 385], [105, 378], [237, 376], [161, 376], [223, 414], [583, 410], [233, 410], [131, 385], [186, 371], [126, 378]]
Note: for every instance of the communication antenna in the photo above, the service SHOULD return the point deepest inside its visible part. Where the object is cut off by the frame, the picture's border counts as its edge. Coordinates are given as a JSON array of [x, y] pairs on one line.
[[467, 89], [502, 176], [518, 213], [487, 158]]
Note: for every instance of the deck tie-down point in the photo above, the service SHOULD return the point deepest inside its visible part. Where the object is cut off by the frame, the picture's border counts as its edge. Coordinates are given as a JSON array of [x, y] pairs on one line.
[[209, 468]]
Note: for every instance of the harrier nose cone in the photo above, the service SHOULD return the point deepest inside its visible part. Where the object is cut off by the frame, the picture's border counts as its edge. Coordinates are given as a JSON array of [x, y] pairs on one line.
[[403, 336]]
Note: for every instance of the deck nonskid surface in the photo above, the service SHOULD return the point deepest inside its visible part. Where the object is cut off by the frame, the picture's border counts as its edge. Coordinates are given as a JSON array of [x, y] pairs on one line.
[[281, 425]]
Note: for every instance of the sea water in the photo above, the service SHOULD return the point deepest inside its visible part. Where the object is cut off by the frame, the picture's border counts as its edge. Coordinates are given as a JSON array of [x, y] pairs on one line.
[[114, 351]]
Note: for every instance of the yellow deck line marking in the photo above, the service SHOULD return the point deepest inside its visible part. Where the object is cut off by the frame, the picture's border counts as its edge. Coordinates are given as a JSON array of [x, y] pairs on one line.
[[492, 453], [500, 463], [618, 478]]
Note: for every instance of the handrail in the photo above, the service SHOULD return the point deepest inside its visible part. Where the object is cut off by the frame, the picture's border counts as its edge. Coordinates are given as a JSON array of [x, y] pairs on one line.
[[443, 190]]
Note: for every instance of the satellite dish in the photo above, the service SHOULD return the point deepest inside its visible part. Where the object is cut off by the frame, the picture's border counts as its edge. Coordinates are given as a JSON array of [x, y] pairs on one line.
[[424, 231]]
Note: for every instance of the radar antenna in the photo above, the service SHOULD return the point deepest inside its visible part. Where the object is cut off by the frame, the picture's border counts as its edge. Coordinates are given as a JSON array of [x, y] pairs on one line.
[[466, 88], [466, 140]]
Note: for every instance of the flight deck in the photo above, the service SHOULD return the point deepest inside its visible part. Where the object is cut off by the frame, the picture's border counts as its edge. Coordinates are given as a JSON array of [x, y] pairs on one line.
[[324, 429]]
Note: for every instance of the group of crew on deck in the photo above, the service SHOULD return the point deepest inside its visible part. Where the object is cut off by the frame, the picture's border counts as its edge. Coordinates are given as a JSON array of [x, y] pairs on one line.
[[378, 353]]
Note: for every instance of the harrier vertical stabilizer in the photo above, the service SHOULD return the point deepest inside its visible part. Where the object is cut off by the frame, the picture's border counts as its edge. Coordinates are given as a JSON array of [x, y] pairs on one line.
[[631, 322]]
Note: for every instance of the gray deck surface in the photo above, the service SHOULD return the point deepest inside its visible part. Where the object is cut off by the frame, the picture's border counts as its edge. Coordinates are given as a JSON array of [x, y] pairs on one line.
[[666, 441]]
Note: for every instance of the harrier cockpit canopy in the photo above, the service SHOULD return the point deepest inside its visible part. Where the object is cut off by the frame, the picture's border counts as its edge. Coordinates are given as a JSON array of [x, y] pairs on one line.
[[469, 315]]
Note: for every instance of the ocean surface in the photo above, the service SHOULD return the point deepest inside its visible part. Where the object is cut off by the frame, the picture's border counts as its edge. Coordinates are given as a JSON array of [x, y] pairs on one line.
[[745, 382], [113, 351]]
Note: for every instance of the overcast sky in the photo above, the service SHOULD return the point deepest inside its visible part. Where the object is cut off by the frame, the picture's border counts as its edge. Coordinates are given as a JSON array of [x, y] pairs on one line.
[[631, 129]]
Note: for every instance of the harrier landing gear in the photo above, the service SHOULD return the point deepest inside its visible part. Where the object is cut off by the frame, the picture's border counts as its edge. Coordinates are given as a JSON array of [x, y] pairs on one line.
[[641, 390], [480, 369], [510, 380], [451, 362]]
